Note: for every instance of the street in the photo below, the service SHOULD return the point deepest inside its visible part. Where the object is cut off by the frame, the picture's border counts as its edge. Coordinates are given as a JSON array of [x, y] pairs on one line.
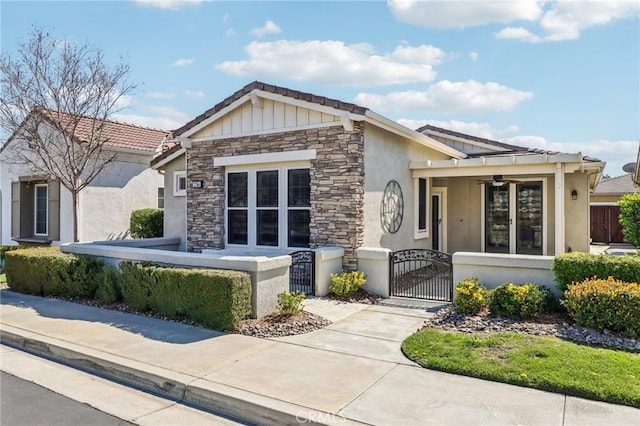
[[25, 403]]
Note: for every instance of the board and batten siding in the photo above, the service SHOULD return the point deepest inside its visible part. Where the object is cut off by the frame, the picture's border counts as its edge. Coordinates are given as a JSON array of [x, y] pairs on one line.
[[269, 116]]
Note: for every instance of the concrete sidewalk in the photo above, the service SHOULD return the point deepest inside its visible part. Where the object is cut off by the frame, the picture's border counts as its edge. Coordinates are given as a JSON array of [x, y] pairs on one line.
[[351, 372]]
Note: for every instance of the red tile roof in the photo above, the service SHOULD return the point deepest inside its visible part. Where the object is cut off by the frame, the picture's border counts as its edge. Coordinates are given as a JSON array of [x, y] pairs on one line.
[[295, 94], [115, 134]]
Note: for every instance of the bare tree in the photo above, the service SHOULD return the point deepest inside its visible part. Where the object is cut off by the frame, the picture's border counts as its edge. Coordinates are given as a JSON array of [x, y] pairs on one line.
[[54, 99]]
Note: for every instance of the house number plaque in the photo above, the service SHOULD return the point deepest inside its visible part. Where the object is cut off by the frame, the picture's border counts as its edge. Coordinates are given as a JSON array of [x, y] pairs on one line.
[[392, 207]]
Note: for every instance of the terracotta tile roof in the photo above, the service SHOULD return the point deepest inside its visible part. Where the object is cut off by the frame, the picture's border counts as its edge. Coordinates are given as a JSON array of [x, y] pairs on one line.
[[295, 94], [116, 134]]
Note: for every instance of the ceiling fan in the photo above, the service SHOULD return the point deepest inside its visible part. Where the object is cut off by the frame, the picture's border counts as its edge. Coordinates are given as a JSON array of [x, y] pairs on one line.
[[498, 180]]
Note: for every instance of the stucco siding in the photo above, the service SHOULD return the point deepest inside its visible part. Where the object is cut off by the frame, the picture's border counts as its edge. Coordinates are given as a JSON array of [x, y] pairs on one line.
[[175, 207], [106, 204], [464, 219], [576, 220], [386, 157]]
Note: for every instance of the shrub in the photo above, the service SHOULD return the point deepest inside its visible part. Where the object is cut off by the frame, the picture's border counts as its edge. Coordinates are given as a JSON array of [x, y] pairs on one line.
[[630, 217], [215, 298], [576, 267], [290, 303], [146, 223], [517, 301], [47, 271], [3, 250], [470, 297], [347, 283], [605, 303]]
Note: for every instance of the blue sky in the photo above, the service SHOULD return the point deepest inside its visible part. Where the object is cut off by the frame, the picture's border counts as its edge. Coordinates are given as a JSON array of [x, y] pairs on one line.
[[559, 75]]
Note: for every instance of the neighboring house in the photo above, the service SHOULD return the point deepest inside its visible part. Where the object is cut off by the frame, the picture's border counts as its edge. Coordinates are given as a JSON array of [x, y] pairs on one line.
[[605, 223], [276, 169], [37, 208]]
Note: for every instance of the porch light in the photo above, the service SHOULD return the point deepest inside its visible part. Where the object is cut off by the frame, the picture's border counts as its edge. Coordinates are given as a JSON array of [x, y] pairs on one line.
[[574, 195]]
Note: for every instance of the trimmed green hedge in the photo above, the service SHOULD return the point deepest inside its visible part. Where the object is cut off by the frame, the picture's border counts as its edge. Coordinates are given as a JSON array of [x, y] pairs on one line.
[[605, 303], [517, 301], [216, 298], [577, 267], [146, 223], [47, 271]]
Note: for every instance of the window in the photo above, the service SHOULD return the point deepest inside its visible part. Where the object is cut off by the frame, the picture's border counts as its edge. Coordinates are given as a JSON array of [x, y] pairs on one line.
[[41, 211], [269, 207], [180, 183], [161, 198], [421, 212]]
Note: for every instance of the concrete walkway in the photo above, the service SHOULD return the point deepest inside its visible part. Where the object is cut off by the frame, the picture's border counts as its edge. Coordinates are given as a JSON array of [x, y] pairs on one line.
[[351, 372]]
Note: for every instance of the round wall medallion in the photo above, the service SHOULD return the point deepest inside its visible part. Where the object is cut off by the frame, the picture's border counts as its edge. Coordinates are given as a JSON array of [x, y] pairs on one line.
[[392, 207]]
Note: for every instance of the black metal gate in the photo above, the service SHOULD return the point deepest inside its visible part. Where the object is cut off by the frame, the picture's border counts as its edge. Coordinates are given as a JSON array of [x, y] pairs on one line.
[[303, 271], [421, 274]]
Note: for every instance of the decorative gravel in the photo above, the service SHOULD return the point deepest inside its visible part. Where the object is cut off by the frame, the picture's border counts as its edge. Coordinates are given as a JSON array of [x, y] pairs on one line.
[[360, 296], [277, 325], [551, 325]]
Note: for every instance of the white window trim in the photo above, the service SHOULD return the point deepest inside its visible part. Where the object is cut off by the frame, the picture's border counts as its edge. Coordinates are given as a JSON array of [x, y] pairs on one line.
[[269, 157], [176, 179], [35, 209], [443, 213], [283, 206], [418, 233]]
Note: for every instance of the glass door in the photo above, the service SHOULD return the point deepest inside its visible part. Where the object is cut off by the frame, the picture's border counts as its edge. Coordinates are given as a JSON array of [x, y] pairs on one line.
[[497, 219], [529, 218]]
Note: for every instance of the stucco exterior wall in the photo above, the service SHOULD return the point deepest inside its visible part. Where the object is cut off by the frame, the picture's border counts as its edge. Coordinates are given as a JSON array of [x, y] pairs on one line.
[[175, 207], [386, 157], [605, 198], [337, 187], [464, 218], [577, 213], [106, 204]]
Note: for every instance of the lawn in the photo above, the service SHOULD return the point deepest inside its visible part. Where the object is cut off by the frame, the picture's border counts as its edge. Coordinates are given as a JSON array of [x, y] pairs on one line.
[[541, 362], [3, 278]]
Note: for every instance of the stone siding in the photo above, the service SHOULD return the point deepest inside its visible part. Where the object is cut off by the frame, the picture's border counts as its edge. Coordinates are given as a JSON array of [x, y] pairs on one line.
[[337, 185]]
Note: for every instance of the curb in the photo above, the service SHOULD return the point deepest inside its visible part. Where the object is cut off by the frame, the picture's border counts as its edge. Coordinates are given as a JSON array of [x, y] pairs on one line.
[[192, 390]]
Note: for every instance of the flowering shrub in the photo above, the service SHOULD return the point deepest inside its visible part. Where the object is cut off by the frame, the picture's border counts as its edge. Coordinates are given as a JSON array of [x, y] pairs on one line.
[[290, 303], [470, 296], [517, 301], [611, 304]]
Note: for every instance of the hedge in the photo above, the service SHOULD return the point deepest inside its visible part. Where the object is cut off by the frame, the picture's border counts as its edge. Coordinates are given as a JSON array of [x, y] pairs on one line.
[[146, 223], [517, 301], [576, 267], [215, 298], [605, 304]]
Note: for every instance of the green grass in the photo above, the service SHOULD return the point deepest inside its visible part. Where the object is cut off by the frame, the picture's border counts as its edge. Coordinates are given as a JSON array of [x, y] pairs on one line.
[[3, 278], [540, 362]]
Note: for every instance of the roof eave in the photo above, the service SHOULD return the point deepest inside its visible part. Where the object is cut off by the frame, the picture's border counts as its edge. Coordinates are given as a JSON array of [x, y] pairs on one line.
[[169, 158]]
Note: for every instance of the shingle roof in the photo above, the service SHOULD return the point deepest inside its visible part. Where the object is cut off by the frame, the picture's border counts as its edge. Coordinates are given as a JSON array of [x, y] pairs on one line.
[[508, 148], [115, 134], [295, 94], [617, 185]]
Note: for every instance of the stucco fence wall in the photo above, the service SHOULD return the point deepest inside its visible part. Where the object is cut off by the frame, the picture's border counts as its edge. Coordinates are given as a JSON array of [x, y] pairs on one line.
[[490, 269], [269, 270]]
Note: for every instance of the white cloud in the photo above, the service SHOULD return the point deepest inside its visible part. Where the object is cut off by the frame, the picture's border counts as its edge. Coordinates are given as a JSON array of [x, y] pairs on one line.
[[458, 14], [566, 19], [157, 117], [183, 62], [230, 32], [194, 94], [473, 56], [448, 97], [167, 4], [160, 95], [334, 62], [269, 27]]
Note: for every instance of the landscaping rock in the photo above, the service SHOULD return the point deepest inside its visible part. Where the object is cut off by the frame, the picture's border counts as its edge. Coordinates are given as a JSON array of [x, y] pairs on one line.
[[551, 325]]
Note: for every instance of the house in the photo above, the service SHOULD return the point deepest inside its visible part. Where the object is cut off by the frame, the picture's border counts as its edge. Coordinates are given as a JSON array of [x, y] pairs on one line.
[[605, 223], [37, 208], [270, 169]]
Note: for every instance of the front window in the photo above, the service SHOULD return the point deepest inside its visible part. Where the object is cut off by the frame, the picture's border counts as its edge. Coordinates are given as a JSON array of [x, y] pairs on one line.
[[180, 184], [41, 213], [269, 208]]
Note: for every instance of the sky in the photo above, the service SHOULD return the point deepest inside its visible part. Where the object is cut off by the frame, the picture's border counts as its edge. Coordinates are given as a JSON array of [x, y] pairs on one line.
[[558, 75]]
